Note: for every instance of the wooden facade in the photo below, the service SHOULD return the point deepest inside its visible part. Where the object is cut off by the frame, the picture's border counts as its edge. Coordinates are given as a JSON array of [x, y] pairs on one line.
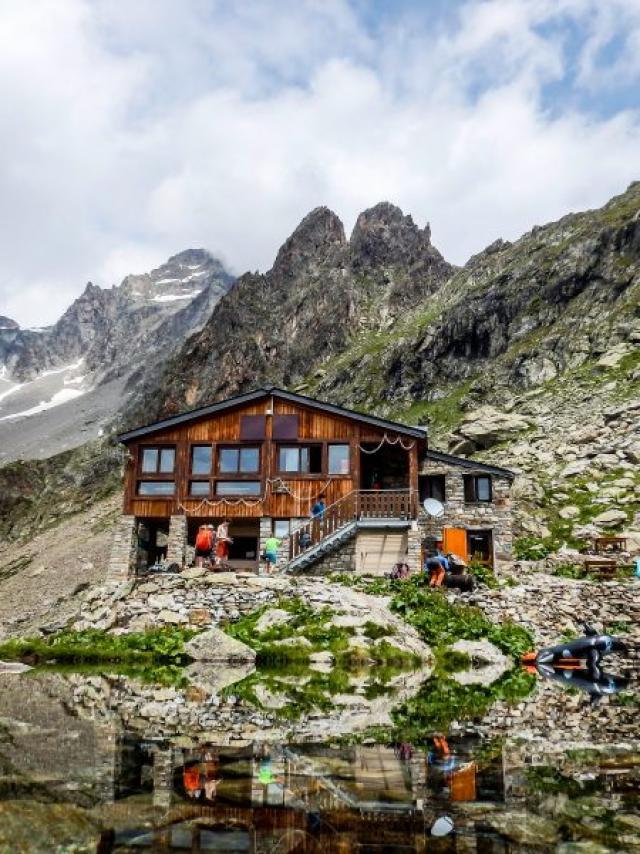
[[268, 420]]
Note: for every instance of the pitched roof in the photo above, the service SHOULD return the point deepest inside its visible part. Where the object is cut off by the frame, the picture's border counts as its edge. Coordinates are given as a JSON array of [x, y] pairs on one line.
[[258, 394], [463, 462]]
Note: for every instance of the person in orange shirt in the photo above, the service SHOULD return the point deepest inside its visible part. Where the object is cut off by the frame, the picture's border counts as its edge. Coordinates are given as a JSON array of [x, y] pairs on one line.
[[191, 781]]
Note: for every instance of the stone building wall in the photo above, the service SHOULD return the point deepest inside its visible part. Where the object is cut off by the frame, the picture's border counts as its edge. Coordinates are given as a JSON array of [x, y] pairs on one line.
[[123, 550], [493, 515]]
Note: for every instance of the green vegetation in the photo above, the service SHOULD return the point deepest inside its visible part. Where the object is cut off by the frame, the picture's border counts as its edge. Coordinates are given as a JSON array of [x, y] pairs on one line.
[[450, 660], [441, 623], [285, 642], [532, 548], [162, 647], [483, 574], [293, 690], [442, 700]]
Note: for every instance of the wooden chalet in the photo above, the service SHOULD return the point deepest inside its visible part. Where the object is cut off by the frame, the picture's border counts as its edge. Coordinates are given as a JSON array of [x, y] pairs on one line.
[[262, 459]]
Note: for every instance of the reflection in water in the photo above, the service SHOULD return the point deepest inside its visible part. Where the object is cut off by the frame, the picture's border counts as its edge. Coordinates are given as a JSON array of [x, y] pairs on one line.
[[81, 777]]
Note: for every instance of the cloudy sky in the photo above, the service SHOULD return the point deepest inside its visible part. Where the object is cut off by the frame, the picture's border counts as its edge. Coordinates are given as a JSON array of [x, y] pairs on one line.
[[132, 130]]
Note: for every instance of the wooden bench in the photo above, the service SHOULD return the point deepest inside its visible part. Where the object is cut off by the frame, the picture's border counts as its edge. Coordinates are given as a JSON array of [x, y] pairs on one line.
[[602, 567]]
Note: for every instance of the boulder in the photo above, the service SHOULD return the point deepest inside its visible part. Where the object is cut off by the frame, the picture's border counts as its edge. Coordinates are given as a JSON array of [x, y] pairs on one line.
[[489, 663], [215, 645], [610, 518], [273, 617], [213, 680], [486, 426], [13, 667]]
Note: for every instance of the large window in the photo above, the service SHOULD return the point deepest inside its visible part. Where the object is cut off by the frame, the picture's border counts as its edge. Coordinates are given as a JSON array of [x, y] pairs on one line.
[[156, 487], [201, 459], [338, 459], [238, 487], [300, 459], [477, 487], [240, 460], [158, 460]]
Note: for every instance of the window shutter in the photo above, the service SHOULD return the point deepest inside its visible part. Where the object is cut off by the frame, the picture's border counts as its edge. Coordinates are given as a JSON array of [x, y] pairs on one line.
[[253, 426], [285, 427]]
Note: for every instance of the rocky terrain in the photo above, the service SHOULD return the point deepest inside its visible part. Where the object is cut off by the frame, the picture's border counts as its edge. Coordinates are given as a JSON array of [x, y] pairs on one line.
[[63, 385], [528, 356]]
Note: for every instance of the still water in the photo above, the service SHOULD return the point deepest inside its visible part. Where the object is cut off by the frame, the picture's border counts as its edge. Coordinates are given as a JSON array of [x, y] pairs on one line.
[[101, 762]]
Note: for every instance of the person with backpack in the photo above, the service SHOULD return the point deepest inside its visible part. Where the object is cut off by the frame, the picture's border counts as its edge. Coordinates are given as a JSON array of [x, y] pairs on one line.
[[204, 544]]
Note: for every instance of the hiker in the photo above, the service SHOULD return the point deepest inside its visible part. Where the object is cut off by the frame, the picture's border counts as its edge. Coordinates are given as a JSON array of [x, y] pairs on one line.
[[400, 570], [191, 781], [304, 541], [317, 511], [434, 570], [442, 559], [223, 540], [204, 544], [271, 547]]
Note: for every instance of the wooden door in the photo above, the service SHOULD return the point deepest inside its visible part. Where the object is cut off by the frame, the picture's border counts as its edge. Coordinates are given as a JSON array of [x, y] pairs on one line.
[[455, 540]]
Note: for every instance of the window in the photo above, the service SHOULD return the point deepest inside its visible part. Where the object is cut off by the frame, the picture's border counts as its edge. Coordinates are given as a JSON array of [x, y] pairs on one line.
[[434, 487], [339, 459], [238, 460], [300, 459], [201, 459], [238, 487], [156, 487], [477, 488], [158, 460], [199, 487], [281, 528]]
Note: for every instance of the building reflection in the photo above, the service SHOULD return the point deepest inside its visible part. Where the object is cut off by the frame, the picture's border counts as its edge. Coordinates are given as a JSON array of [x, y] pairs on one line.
[[306, 798]]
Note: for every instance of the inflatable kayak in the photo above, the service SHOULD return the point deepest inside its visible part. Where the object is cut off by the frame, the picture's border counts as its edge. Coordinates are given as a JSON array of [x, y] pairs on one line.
[[573, 654]]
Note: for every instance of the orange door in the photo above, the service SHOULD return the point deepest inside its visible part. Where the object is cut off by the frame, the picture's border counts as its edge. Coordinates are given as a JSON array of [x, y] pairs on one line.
[[455, 540]]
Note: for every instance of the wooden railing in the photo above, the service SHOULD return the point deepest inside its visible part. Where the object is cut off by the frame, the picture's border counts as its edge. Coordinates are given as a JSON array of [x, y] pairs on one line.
[[359, 504]]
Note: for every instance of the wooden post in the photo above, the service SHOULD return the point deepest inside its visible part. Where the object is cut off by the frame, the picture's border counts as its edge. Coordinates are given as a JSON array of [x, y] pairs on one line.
[[413, 479]]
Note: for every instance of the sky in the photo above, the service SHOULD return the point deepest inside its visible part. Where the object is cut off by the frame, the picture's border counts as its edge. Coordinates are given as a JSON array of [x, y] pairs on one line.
[[134, 130]]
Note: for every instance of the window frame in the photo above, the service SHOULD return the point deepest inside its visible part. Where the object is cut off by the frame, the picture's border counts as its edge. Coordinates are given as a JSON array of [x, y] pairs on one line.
[[294, 475], [349, 470], [237, 474], [473, 479], [249, 495], [163, 496], [201, 475], [428, 483], [157, 474]]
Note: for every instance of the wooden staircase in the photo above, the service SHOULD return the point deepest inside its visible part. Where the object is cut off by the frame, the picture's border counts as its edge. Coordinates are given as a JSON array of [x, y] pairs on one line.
[[321, 536]]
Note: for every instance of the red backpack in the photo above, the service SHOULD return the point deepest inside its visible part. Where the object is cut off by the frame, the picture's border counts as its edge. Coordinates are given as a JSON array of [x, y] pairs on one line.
[[204, 540]]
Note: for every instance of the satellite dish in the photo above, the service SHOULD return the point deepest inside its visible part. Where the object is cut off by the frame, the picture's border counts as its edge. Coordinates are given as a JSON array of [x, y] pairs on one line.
[[442, 826], [433, 507]]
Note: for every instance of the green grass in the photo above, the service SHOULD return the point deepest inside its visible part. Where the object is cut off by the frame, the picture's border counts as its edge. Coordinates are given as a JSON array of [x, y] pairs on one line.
[[162, 646]]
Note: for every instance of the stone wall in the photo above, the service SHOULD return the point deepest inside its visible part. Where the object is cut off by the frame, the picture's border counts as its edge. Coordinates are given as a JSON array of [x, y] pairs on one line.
[[177, 539], [343, 559], [123, 550], [492, 515]]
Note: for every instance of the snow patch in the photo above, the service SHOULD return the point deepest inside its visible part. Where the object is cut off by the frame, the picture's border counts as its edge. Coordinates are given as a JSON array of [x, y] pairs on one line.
[[63, 396], [10, 391], [166, 281], [72, 367], [172, 297]]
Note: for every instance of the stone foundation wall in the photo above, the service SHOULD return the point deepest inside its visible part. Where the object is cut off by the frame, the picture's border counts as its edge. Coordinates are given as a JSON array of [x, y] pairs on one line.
[[342, 559], [177, 539], [123, 550]]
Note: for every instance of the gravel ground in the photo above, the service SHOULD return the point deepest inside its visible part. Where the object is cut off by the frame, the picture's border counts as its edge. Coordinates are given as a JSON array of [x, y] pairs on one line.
[[38, 578]]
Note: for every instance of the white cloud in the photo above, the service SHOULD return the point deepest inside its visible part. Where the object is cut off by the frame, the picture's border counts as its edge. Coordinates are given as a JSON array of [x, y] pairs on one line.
[[135, 130]]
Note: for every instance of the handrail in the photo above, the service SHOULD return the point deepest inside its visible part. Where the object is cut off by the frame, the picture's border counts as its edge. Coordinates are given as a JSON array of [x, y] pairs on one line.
[[357, 504]]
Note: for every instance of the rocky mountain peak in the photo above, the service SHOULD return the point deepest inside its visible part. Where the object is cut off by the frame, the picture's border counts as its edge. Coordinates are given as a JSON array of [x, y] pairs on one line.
[[8, 323], [319, 232], [383, 234]]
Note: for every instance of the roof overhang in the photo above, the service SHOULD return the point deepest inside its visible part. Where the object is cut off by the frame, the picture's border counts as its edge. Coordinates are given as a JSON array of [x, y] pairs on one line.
[[472, 465], [259, 394]]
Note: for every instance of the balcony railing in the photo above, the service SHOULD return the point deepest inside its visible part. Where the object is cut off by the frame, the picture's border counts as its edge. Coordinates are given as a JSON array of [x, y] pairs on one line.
[[397, 504]]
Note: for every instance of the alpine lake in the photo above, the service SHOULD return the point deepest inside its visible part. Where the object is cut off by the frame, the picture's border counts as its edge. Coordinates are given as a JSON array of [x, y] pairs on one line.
[[327, 753]]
